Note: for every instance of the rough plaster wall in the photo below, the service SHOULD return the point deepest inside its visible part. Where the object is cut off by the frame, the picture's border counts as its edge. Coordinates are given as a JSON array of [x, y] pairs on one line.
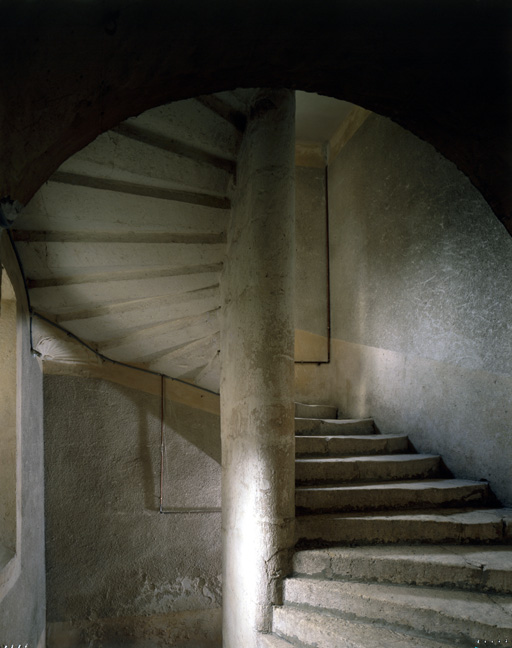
[[111, 557], [22, 600], [310, 264], [8, 424], [421, 294]]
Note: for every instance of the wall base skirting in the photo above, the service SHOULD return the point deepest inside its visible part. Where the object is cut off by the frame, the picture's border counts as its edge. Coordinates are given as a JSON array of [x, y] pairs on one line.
[[189, 629]]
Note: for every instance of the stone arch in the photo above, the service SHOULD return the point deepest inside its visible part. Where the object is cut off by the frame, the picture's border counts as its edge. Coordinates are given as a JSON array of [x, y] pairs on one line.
[[439, 69]]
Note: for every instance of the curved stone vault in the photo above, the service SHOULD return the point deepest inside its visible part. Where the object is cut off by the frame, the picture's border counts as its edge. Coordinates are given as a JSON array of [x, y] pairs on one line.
[[441, 70]]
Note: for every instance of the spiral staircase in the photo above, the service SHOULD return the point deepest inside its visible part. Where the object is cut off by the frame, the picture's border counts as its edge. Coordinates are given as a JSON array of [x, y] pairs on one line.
[[123, 248], [392, 550], [124, 245]]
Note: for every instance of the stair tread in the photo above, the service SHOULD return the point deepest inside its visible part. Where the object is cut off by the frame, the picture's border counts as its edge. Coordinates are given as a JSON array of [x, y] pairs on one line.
[[436, 526], [495, 556], [396, 495], [425, 609], [304, 410], [425, 484], [481, 606], [273, 641], [341, 427], [325, 631], [472, 516], [366, 468], [350, 445], [466, 567], [339, 422], [368, 458], [363, 437]]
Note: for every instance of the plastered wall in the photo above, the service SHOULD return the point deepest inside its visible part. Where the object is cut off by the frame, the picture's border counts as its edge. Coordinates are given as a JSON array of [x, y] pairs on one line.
[[22, 579], [311, 305], [118, 570], [421, 298], [8, 436]]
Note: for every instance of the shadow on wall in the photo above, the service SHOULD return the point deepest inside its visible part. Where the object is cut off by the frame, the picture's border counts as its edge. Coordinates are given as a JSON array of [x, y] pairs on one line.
[[149, 467], [197, 427], [191, 439], [116, 566]]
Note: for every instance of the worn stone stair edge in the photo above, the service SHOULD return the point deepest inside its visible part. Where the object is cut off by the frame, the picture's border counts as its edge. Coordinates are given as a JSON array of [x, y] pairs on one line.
[[423, 609], [330, 631], [444, 526], [304, 420], [402, 484], [313, 427], [273, 641], [373, 468], [459, 515], [487, 568], [363, 437], [386, 495], [398, 458], [350, 445], [303, 410], [381, 629]]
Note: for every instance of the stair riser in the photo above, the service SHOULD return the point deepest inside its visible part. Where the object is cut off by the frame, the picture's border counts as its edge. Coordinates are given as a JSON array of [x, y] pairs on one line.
[[402, 572], [271, 641], [365, 471], [384, 499], [313, 427], [353, 600], [339, 446], [315, 411], [388, 531]]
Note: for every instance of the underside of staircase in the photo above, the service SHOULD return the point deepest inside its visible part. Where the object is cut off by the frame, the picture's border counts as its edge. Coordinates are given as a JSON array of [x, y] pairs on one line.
[[392, 550], [123, 247]]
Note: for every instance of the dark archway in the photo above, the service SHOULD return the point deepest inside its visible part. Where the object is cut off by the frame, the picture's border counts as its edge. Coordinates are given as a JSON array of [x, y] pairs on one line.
[[71, 70]]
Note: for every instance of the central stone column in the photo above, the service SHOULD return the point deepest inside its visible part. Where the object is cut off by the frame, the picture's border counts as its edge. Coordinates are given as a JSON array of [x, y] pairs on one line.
[[257, 388]]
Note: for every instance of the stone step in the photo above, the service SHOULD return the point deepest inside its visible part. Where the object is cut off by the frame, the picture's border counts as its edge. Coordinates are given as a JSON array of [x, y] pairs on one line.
[[484, 568], [85, 258], [322, 427], [351, 445], [302, 410], [98, 290], [428, 526], [272, 641], [91, 324], [310, 628], [395, 495], [193, 123], [367, 468], [116, 156], [467, 615]]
